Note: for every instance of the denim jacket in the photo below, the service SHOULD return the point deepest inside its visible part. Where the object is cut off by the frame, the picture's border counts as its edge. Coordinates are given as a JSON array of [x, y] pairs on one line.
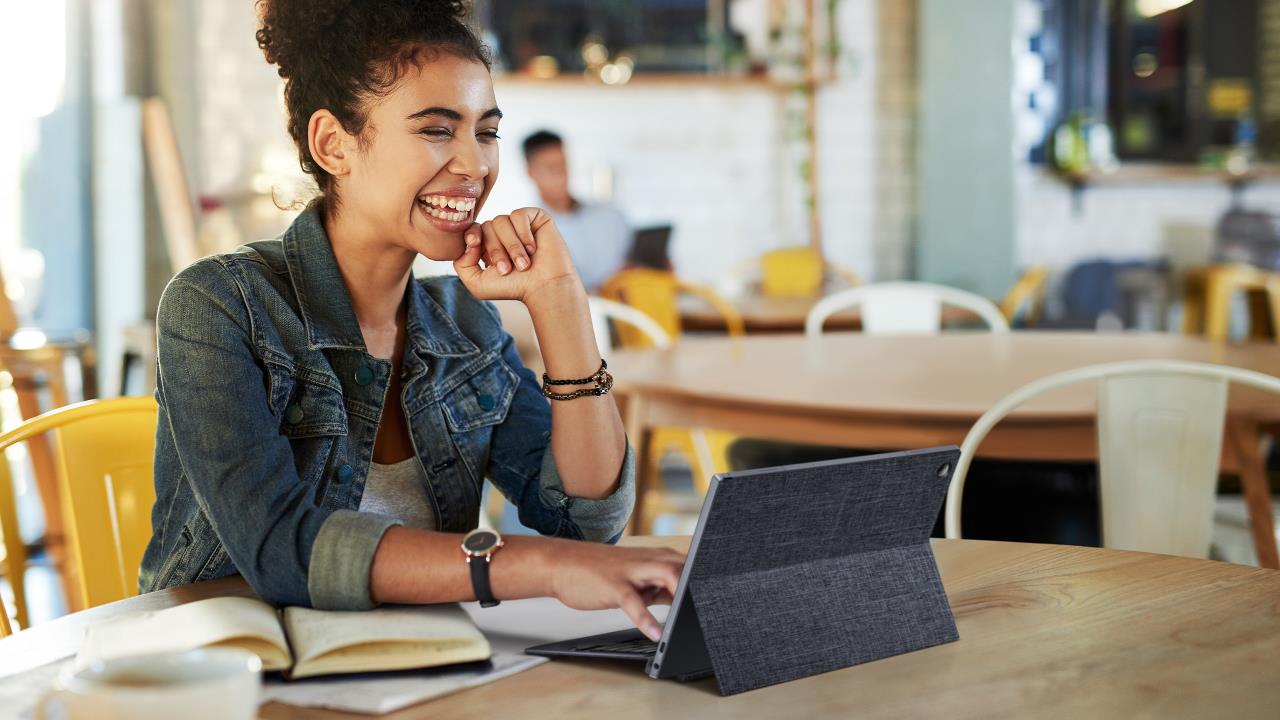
[[269, 405]]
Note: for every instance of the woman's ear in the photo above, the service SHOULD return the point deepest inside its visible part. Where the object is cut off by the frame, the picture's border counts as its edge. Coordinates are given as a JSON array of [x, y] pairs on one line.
[[329, 143]]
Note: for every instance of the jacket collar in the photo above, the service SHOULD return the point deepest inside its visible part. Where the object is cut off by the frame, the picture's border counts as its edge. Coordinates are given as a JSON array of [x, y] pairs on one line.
[[325, 305]]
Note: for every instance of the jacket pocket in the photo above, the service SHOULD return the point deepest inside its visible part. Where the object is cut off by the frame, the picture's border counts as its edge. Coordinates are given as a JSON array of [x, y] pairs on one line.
[[313, 406], [482, 399]]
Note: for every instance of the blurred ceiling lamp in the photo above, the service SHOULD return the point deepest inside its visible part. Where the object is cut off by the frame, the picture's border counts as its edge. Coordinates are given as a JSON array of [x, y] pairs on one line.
[[594, 53], [36, 41], [544, 67], [617, 72], [1145, 64], [1152, 8]]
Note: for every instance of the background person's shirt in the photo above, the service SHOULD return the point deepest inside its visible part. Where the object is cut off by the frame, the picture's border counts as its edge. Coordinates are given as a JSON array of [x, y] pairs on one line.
[[598, 238]]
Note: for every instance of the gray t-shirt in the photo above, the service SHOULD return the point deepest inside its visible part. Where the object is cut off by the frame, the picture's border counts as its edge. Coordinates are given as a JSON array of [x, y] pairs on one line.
[[399, 491], [599, 239]]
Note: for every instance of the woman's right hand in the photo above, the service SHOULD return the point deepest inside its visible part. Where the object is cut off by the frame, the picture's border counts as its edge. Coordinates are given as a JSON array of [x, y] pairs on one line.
[[590, 576]]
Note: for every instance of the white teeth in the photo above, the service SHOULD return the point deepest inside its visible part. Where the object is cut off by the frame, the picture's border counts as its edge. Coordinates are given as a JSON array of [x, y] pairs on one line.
[[439, 213]]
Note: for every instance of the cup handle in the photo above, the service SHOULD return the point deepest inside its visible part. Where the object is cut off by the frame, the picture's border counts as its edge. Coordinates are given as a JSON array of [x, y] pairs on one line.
[[40, 711]]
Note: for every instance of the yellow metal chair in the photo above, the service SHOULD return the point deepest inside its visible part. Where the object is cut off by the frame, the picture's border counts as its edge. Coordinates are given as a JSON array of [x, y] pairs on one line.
[[5, 629], [1206, 307], [105, 451], [791, 272], [1026, 298], [656, 293]]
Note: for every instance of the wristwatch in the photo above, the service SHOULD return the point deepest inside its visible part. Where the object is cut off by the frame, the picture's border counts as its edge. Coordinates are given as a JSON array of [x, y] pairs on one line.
[[479, 545]]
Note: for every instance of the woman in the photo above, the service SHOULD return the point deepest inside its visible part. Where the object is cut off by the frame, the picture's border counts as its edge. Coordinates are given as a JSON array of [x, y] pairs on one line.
[[326, 420]]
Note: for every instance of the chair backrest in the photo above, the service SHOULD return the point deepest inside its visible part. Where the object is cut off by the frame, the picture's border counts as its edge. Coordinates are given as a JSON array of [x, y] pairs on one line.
[[791, 272], [604, 310], [1023, 301], [656, 293], [1159, 441], [106, 450], [786, 272], [903, 307]]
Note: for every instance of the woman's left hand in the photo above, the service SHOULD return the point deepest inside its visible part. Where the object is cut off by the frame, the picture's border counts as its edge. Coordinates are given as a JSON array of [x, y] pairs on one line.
[[523, 253]]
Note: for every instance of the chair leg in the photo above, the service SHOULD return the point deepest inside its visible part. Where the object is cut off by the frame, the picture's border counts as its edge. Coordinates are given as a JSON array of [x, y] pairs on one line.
[[40, 449], [1245, 439], [15, 553]]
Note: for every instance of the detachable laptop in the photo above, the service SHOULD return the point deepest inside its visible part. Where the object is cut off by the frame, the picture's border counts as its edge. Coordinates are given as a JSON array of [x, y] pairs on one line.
[[801, 569], [649, 248]]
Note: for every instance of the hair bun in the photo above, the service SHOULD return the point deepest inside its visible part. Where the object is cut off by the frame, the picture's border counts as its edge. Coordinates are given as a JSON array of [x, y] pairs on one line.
[[289, 28]]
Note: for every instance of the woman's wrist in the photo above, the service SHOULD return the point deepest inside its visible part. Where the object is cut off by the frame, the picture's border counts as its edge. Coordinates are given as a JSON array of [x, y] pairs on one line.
[[562, 320], [522, 568]]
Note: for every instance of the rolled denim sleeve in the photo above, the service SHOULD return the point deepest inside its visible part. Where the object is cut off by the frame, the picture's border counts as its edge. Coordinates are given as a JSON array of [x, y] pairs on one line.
[[521, 466], [598, 520], [342, 558], [240, 469]]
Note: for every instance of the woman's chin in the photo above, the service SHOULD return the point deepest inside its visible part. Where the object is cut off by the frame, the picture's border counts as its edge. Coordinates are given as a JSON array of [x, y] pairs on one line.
[[441, 248]]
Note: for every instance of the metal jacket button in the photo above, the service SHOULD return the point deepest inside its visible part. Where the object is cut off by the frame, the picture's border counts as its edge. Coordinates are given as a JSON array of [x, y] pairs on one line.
[[293, 414], [364, 375], [345, 472], [486, 402]]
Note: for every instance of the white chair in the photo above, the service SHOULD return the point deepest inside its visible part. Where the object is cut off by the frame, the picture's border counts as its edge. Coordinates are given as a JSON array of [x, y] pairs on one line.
[[1159, 441], [603, 310], [903, 307]]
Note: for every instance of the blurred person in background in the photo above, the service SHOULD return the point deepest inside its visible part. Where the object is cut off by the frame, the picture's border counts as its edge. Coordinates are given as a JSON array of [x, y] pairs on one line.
[[597, 234]]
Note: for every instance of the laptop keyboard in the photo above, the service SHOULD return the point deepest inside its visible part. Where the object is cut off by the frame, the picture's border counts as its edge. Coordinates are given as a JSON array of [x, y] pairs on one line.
[[637, 646]]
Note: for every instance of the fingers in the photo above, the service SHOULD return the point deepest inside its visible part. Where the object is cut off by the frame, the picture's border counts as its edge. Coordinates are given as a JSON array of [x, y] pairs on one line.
[[495, 254], [523, 227], [505, 227], [634, 606], [468, 264]]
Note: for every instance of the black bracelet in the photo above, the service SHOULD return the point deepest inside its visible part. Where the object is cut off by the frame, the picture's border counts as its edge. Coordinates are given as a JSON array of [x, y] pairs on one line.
[[595, 378], [602, 379]]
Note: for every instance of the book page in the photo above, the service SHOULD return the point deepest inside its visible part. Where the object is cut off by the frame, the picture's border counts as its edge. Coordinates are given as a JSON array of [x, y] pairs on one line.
[[383, 638], [228, 621]]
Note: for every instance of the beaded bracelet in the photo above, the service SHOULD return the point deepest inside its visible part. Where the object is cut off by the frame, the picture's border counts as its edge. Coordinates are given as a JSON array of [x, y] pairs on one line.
[[602, 379]]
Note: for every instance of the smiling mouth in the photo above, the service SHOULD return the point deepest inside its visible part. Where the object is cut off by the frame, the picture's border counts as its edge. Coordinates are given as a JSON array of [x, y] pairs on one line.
[[451, 209]]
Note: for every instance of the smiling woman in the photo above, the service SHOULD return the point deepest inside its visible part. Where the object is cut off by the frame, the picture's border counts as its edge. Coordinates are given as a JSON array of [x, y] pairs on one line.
[[327, 420]]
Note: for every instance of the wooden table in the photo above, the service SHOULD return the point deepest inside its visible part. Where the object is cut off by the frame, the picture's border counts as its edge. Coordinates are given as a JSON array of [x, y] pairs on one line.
[[764, 315], [903, 392], [1045, 631]]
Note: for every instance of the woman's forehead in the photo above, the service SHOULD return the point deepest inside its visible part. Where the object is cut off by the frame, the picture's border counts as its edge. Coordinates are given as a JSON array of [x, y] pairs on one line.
[[445, 81]]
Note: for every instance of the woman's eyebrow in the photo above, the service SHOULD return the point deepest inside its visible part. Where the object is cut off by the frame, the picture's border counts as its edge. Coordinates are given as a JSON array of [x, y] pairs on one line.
[[452, 114]]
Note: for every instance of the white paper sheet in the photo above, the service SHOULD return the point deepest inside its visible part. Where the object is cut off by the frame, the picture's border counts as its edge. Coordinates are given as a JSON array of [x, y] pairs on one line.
[[373, 695]]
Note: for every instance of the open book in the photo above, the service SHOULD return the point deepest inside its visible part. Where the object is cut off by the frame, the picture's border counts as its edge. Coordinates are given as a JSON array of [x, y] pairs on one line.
[[299, 641]]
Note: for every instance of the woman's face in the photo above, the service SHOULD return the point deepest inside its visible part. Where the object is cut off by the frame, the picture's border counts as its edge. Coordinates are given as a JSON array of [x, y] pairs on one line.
[[429, 157]]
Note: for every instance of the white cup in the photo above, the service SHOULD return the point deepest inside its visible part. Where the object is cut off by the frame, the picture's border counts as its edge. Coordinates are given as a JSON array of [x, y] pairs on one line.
[[211, 683]]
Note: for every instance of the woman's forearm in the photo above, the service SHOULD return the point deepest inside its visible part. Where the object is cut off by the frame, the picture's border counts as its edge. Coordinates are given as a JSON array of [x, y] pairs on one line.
[[416, 566], [587, 439]]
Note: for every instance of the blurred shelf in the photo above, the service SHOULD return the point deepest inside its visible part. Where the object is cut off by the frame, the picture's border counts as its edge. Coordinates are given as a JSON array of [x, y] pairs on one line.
[[1167, 173], [660, 80]]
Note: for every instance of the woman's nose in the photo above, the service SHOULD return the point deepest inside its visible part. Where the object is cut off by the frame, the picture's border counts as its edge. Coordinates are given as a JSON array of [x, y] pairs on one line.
[[470, 162]]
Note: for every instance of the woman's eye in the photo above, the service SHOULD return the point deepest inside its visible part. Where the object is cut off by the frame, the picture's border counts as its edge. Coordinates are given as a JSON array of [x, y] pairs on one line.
[[489, 135], [436, 132]]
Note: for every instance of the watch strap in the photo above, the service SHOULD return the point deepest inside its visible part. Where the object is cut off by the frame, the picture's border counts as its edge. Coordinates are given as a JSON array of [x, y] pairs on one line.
[[480, 581]]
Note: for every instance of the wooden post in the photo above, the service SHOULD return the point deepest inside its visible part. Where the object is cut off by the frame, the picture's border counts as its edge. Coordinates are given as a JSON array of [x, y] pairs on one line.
[[811, 123]]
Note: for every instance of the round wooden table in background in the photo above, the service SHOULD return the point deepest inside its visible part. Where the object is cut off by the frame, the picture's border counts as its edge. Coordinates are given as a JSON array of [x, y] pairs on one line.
[[912, 391], [1046, 631], [764, 315]]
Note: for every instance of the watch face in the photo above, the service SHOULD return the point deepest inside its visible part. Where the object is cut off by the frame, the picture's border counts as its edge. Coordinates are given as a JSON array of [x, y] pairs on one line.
[[479, 541]]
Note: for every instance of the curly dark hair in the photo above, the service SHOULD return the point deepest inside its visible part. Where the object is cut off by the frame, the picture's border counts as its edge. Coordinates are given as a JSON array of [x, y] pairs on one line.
[[337, 54]]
